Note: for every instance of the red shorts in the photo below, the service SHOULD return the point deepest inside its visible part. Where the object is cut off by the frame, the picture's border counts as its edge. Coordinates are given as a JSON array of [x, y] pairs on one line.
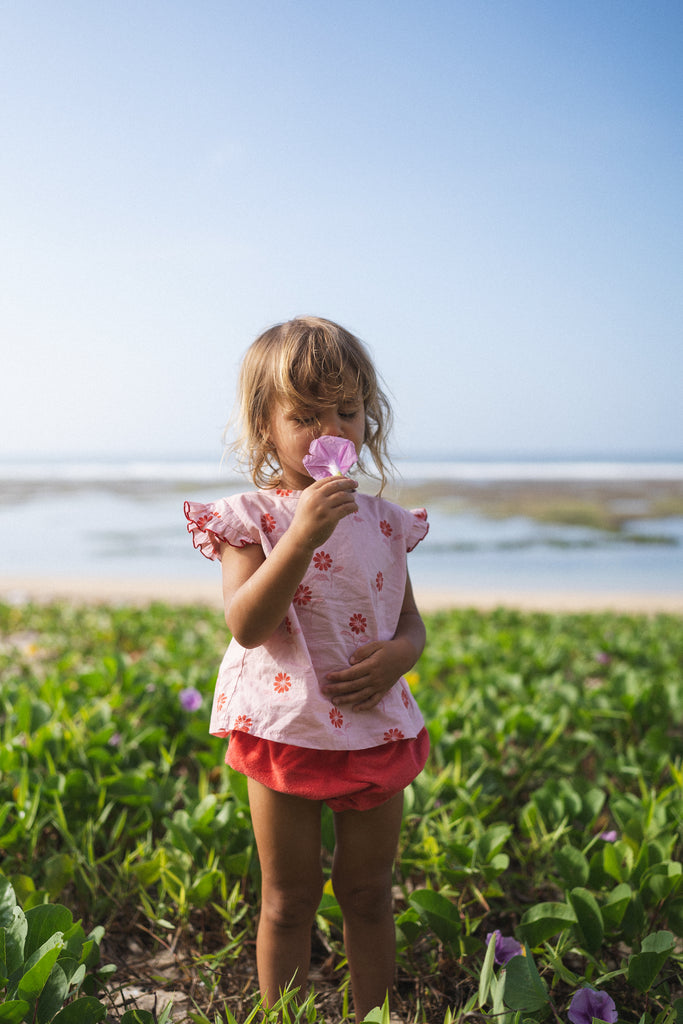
[[344, 779]]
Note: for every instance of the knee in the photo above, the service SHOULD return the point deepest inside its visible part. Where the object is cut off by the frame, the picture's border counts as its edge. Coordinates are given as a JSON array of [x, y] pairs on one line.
[[288, 909], [368, 900]]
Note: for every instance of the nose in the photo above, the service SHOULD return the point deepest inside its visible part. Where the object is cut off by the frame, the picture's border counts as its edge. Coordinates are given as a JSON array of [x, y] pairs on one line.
[[331, 424]]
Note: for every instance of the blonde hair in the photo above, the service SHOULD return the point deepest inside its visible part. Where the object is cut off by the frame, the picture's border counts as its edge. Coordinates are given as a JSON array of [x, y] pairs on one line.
[[304, 363]]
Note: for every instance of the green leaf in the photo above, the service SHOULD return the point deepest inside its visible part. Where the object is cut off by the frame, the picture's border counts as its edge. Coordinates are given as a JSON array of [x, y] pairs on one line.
[[633, 921], [572, 866], [408, 923], [590, 926], [438, 912], [524, 987], [74, 940], [674, 917], [53, 995], [14, 939], [617, 860], [59, 871], [644, 967], [203, 887], [614, 907], [39, 967], [43, 921], [486, 975], [379, 1014], [86, 1010], [13, 1011], [663, 880], [8, 901], [544, 920]]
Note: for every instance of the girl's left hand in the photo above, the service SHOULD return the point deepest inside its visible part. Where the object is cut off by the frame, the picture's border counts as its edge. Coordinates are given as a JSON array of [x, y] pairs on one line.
[[374, 669]]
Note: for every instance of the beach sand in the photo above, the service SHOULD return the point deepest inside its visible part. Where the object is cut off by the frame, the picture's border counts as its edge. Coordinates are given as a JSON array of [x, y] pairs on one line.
[[177, 591]]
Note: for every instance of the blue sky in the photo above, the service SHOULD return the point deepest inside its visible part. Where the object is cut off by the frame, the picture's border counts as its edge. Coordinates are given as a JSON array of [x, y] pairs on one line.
[[488, 193]]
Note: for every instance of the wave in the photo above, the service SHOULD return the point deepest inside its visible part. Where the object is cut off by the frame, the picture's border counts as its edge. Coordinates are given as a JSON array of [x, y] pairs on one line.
[[140, 471]]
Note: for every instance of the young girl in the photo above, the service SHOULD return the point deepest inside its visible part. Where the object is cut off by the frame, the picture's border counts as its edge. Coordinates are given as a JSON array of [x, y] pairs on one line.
[[311, 690]]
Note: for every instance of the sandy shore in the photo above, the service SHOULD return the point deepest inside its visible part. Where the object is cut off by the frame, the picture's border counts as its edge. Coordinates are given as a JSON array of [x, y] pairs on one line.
[[195, 591]]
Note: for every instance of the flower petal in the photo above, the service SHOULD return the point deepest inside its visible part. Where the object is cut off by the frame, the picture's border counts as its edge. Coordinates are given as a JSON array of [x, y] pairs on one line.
[[506, 947], [587, 1003], [190, 699], [330, 456]]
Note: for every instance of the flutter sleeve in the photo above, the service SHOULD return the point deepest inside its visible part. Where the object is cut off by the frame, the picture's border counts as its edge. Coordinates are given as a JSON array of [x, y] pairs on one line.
[[217, 523], [416, 527]]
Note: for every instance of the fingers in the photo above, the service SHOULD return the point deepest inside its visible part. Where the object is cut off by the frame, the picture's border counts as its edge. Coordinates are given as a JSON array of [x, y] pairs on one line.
[[335, 492], [321, 507], [357, 669], [334, 495], [363, 684]]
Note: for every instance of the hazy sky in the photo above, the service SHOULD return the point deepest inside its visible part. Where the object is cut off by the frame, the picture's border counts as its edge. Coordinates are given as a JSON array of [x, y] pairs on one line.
[[488, 192]]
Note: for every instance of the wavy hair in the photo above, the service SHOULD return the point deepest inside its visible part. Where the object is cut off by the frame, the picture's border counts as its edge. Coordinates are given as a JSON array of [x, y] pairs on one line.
[[305, 363]]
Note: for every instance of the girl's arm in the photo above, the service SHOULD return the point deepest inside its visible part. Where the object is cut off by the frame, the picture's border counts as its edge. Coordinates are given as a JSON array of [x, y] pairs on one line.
[[377, 666], [257, 591]]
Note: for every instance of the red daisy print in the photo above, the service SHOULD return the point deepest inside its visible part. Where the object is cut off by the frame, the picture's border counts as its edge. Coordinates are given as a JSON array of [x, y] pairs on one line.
[[322, 561], [379, 580], [203, 520], [267, 522], [358, 623], [243, 723], [404, 697], [386, 528], [220, 703], [288, 624], [303, 595], [393, 734], [282, 682], [282, 493], [336, 718]]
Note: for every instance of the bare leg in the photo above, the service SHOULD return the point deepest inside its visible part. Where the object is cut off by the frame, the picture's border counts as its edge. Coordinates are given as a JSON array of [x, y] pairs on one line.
[[287, 831], [362, 879]]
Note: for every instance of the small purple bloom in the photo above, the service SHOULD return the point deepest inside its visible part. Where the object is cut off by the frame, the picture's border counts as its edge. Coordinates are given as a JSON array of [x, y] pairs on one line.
[[602, 658], [506, 947], [609, 837], [587, 1003], [330, 456], [191, 699], [115, 739]]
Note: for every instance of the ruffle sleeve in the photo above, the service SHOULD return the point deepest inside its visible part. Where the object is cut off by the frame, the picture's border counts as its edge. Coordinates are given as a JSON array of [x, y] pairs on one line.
[[216, 523], [417, 527]]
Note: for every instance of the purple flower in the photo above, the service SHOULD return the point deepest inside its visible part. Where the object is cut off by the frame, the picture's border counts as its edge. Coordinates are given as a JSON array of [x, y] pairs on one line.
[[609, 837], [115, 739], [191, 699], [330, 456], [587, 1003], [603, 658], [506, 947]]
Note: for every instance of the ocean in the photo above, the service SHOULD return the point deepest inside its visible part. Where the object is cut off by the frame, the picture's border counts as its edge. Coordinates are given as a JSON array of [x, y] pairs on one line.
[[124, 519]]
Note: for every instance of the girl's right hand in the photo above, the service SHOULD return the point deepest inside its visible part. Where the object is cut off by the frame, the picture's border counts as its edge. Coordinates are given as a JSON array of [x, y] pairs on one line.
[[321, 506]]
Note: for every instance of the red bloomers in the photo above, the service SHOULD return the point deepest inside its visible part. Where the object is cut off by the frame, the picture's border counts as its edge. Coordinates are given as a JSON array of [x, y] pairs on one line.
[[344, 779]]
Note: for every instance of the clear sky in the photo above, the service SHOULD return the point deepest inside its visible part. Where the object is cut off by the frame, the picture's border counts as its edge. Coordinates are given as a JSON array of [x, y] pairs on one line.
[[488, 192]]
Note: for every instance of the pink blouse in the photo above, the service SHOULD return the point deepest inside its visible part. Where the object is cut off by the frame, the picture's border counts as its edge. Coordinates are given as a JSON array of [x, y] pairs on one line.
[[351, 595]]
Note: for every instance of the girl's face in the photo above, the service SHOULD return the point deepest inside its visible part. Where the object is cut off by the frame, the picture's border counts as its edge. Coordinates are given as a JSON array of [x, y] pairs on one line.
[[292, 431]]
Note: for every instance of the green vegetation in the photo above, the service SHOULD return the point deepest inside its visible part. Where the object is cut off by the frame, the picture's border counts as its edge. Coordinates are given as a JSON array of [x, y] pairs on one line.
[[551, 813]]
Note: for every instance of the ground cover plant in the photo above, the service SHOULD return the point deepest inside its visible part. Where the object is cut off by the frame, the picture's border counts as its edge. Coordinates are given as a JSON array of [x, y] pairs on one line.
[[540, 875]]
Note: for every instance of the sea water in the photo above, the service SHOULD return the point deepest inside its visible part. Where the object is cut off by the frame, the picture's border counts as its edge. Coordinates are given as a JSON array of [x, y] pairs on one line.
[[124, 519]]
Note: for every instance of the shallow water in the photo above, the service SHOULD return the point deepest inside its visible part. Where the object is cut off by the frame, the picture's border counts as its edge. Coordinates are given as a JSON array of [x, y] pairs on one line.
[[134, 527]]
